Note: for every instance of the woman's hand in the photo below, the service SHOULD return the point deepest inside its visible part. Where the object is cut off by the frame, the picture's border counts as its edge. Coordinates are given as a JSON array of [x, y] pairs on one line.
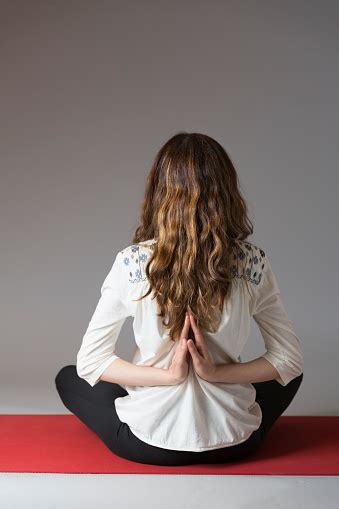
[[178, 369], [202, 360]]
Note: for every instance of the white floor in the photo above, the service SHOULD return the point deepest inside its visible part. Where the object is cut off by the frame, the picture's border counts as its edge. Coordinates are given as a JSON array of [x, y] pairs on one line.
[[146, 491], [47, 491]]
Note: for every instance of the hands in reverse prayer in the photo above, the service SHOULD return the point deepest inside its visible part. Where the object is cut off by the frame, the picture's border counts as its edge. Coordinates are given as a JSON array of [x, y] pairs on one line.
[[198, 351]]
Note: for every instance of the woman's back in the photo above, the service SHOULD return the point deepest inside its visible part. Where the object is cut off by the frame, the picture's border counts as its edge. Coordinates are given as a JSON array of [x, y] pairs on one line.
[[194, 415]]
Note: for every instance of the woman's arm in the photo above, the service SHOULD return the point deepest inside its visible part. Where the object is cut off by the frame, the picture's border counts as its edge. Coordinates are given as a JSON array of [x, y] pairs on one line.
[[256, 370], [96, 358], [283, 359], [97, 350], [123, 372]]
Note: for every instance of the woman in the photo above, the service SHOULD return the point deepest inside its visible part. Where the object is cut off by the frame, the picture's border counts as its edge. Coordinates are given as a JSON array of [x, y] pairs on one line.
[[192, 282]]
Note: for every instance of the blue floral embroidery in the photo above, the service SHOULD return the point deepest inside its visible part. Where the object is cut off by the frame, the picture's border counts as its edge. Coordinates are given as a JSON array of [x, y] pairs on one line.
[[245, 252], [252, 259], [136, 262], [241, 254], [234, 270]]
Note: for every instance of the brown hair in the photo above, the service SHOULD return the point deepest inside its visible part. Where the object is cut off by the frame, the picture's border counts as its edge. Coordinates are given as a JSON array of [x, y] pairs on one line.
[[194, 210]]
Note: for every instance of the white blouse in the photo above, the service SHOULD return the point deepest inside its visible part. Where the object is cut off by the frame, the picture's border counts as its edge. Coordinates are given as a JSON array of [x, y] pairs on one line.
[[194, 415]]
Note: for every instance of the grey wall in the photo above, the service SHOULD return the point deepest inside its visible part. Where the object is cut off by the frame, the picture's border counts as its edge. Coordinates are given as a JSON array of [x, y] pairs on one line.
[[89, 92]]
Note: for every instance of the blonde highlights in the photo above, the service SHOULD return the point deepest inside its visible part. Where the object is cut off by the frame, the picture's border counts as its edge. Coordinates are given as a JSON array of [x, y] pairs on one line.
[[194, 210]]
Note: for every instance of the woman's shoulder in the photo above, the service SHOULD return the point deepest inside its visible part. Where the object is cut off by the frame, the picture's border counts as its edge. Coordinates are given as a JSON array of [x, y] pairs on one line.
[[249, 261], [134, 259]]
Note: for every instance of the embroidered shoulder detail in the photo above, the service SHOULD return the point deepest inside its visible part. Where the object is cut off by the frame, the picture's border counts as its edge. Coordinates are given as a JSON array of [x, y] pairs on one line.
[[248, 261], [135, 258]]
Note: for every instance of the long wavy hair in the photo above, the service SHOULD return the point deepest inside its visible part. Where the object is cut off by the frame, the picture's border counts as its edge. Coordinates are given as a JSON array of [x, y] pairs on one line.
[[195, 212]]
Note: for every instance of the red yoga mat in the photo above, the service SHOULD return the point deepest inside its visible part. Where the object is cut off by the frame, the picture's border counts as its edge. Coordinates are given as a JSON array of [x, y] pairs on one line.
[[295, 445]]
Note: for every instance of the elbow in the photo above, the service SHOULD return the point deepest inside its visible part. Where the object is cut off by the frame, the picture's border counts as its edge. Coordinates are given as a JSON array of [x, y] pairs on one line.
[[80, 370], [83, 370], [80, 365], [287, 367], [296, 365], [91, 369], [295, 362]]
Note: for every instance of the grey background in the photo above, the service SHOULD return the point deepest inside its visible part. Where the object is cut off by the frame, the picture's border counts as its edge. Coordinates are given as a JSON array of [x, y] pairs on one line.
[[90, 90]]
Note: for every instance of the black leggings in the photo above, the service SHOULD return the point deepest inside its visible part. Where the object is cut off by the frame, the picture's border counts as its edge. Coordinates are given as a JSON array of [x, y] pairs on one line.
[[94, 406]]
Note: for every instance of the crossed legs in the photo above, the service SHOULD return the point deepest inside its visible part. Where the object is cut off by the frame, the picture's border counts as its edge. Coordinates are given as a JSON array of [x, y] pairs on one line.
[[94, 406]]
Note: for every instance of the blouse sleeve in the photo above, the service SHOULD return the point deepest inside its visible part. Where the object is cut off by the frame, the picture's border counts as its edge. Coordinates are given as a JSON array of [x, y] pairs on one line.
[[97, 350], [283, 349]]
